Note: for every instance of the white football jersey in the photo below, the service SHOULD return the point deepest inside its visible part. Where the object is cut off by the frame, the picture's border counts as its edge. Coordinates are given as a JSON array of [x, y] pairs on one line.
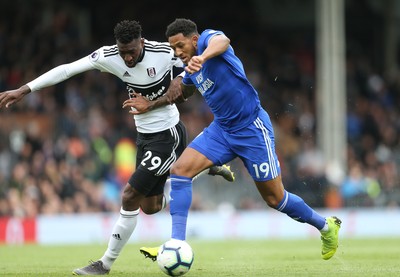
[[150, 77]]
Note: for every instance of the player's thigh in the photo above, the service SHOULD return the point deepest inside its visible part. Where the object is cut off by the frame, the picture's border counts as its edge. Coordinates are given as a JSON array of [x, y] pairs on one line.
[[149, 187], [212, 144], [146, 182], [190, 163], [158, 151], [255, 145]]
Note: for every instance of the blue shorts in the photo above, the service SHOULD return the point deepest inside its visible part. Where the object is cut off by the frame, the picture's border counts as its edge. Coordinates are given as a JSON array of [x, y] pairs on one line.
[[254, 145]]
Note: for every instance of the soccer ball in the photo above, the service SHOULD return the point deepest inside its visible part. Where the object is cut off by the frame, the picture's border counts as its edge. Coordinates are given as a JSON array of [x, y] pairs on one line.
[[175, 257]]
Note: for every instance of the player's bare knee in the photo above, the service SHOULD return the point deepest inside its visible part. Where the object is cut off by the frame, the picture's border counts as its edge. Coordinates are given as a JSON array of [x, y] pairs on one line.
[[271, 199], [272, 202], [151, 205], [150, 210], [177, 169], [130, 201]]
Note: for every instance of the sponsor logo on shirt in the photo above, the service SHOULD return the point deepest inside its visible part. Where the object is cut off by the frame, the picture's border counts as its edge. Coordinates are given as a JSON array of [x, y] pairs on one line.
[[203, 85]]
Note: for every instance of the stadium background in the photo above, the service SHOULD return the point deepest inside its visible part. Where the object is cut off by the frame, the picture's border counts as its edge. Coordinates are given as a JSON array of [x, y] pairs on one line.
[[68, 149]]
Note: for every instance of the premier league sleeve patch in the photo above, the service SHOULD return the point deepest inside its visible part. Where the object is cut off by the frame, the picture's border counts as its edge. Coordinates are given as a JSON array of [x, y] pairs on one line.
[[94, 56]]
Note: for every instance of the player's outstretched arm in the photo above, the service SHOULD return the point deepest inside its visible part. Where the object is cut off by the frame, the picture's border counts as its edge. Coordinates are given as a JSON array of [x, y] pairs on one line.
[[9, 97], [51, 77]]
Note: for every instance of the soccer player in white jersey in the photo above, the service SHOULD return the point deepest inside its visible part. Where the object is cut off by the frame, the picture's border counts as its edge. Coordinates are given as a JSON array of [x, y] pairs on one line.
[[241, 128], [148, 68]]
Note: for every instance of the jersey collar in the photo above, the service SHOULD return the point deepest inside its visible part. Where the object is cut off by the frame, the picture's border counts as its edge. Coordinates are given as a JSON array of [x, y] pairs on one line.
[[140, 58]]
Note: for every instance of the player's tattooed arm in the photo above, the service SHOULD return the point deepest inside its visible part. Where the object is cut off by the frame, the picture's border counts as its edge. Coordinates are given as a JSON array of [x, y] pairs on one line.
[[176, 93], [179, 94], [187, 91]]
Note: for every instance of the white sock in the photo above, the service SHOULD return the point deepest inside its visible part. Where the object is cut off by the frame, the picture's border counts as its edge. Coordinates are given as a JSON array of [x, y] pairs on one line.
[[120, 235], [325, 228], [167, 192]]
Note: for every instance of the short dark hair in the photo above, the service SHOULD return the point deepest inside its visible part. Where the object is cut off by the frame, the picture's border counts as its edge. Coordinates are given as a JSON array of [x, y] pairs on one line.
[[181, 25], [127, 30]]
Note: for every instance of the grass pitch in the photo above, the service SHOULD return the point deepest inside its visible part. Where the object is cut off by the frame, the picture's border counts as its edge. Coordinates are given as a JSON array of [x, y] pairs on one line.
[[355, 257]]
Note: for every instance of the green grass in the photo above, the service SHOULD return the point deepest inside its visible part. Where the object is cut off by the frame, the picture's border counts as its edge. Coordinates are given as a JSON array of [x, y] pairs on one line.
[[372, 257]]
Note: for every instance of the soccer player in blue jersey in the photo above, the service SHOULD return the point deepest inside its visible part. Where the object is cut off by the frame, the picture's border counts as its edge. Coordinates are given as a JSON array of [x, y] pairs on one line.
[[241, 128]]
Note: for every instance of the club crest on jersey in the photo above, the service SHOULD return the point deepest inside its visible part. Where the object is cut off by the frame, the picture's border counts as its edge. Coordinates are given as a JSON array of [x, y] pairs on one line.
[[151, 71]]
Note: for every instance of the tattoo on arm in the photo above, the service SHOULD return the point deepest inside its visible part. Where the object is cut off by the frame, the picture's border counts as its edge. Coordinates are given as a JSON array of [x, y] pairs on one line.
[[188, 91], [176, 95]]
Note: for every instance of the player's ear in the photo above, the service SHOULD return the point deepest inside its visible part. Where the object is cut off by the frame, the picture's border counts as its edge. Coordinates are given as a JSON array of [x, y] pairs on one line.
[[195, 39]]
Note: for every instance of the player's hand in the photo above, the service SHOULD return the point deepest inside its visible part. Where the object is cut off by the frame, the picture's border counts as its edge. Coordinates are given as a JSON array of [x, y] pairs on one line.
[[9, 97], [195, 64], [138, 104]]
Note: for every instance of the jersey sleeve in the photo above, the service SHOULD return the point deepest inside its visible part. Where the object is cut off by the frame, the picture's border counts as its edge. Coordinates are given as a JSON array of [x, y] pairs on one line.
[[205, 37], [97, 58], [187, 81], [59, 74]]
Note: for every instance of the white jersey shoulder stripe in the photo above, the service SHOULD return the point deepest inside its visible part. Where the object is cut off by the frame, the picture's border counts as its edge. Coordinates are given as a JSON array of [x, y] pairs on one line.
[[111, 52], [151, 45], [112, 48], [157, 51]]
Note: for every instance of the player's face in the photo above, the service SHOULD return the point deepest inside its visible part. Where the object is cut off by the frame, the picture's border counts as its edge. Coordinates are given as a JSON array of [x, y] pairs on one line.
[[184, 47], [130, 52]]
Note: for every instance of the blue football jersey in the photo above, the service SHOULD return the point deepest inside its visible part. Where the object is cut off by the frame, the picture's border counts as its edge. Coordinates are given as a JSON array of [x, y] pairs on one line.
[[225, 87]]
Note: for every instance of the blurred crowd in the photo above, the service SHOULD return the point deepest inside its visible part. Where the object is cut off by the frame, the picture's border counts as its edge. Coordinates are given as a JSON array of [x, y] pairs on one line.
[[70, 148]]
